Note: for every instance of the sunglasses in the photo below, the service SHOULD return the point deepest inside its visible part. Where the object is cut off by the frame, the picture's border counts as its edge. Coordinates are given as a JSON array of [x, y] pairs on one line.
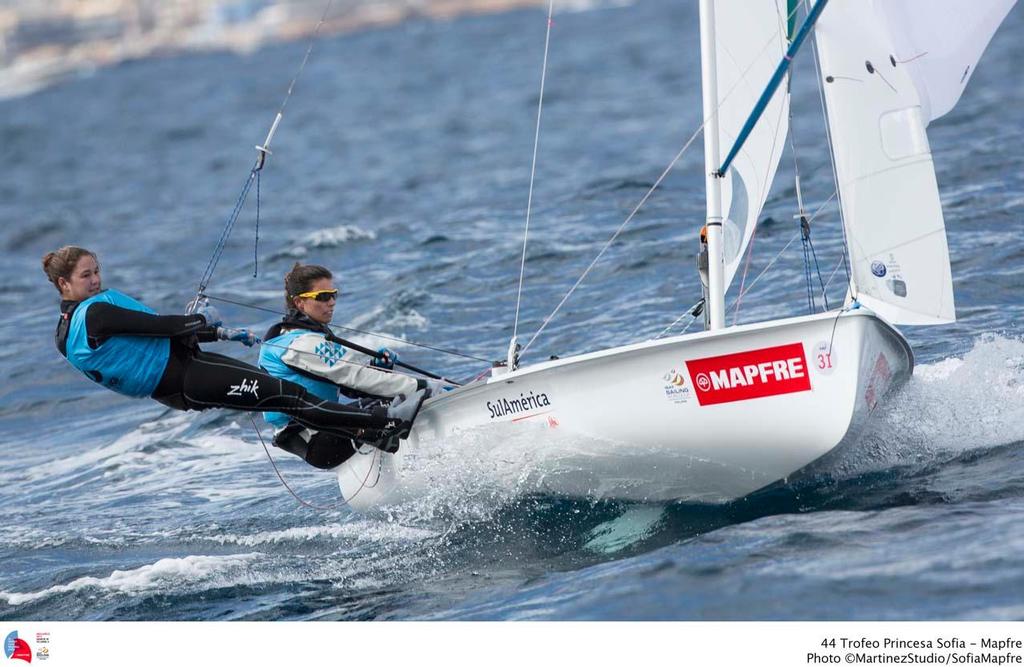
[[323, 295]]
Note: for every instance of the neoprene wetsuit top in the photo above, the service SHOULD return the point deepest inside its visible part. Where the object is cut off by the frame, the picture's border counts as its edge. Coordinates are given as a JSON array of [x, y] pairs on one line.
[[121, 343]]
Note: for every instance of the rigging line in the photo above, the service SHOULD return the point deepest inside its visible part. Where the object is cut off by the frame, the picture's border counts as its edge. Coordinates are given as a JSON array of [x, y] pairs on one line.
[[262, 151], [614, 236], [766, 268], [739, 296], [801, 214], [225, 233], [353, 330], [646, 196], [807, 277], [256, 242], [817, 269], [273, 463], [832, 275], [533, 166], [688, 311], [831, 153]]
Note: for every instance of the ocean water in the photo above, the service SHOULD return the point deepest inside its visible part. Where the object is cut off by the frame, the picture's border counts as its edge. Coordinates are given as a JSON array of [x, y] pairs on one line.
[[403, 163]]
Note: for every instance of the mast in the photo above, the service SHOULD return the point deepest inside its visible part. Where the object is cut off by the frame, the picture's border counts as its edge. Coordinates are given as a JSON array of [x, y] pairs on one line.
[[712, 178]]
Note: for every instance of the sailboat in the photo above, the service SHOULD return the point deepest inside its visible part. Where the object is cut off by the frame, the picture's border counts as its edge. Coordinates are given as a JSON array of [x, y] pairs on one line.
[[715, 415]]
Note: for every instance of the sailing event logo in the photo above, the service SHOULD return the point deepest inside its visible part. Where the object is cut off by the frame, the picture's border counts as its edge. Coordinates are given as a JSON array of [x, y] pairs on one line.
[[503, 407], [753, 374], [16, 648], [675, 387]]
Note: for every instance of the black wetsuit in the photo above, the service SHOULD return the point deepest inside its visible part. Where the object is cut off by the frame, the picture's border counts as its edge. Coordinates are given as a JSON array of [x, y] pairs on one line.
[[198, 380]]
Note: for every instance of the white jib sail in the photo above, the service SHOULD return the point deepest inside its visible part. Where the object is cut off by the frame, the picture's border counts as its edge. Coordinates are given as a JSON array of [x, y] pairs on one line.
[[940, 42], [887, 187], [750, 40]]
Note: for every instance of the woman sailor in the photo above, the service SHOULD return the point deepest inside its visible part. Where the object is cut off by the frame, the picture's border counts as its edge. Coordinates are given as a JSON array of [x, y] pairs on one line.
[[301, 348], [122, 344]]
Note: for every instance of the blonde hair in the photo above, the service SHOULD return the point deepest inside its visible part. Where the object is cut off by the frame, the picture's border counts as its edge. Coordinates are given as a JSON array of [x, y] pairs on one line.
[[62, 263]]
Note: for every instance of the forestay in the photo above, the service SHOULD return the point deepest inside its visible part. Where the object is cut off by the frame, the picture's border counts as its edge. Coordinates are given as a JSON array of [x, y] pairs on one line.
[[750, 39]]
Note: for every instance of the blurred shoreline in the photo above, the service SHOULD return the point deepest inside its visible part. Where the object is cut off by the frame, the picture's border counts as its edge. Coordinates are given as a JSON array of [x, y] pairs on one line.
[[39, 48]]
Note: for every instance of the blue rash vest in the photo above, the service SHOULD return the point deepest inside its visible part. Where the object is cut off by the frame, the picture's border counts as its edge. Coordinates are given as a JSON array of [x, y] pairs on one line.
[[270, 361], [129, 365]]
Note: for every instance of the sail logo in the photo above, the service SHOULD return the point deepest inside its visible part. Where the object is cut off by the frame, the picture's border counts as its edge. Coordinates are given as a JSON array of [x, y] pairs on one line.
[[16, 648], [503, 407], [742, 376]]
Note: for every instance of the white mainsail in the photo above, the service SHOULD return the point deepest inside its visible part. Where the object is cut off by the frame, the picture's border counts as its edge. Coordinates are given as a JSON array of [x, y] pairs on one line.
[[750, 39]]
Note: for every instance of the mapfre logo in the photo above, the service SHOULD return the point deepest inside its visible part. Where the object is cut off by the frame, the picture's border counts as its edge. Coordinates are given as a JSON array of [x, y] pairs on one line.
[[753, 374]]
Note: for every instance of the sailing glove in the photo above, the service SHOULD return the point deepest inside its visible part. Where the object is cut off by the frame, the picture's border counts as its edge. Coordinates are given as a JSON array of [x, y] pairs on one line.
[[243, 336], [210, 314], [386, 360]]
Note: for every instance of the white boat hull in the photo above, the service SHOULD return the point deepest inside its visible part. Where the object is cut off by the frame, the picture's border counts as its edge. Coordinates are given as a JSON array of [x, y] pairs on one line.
[[707, 417]]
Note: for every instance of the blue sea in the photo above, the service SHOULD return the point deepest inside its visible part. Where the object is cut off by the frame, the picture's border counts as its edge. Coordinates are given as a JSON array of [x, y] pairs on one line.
[[403, 163]]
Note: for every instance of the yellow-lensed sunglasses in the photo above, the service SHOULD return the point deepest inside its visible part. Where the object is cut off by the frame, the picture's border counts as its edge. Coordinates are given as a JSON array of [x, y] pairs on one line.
[[320, 295]]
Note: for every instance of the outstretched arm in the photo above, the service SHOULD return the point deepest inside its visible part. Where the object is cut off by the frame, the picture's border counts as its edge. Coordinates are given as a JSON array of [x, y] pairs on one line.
[[104, 320]]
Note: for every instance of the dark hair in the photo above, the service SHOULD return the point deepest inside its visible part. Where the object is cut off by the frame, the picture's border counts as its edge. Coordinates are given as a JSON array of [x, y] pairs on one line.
[[62, 263], [300, 279]]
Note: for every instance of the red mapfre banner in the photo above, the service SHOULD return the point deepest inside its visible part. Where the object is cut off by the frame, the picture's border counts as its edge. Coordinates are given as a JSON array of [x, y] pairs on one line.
[[752, 374]]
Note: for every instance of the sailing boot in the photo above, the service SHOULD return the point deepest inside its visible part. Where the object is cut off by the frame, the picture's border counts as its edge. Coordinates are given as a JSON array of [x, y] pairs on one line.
[[401, 414]]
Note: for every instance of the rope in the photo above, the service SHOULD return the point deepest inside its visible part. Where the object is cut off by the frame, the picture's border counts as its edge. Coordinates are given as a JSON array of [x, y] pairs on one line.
[[817, 269], [256, 242], [735, 303], [614, 236], [744, 292], [263, 152], [691, 311], [533, 166], [453, 353], [281, 477]]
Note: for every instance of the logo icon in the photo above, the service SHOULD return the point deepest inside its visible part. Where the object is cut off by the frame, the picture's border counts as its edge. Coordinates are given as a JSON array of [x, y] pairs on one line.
[[878, 268], [330, 353], [17, 649], [675, 387], [245, 388]]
